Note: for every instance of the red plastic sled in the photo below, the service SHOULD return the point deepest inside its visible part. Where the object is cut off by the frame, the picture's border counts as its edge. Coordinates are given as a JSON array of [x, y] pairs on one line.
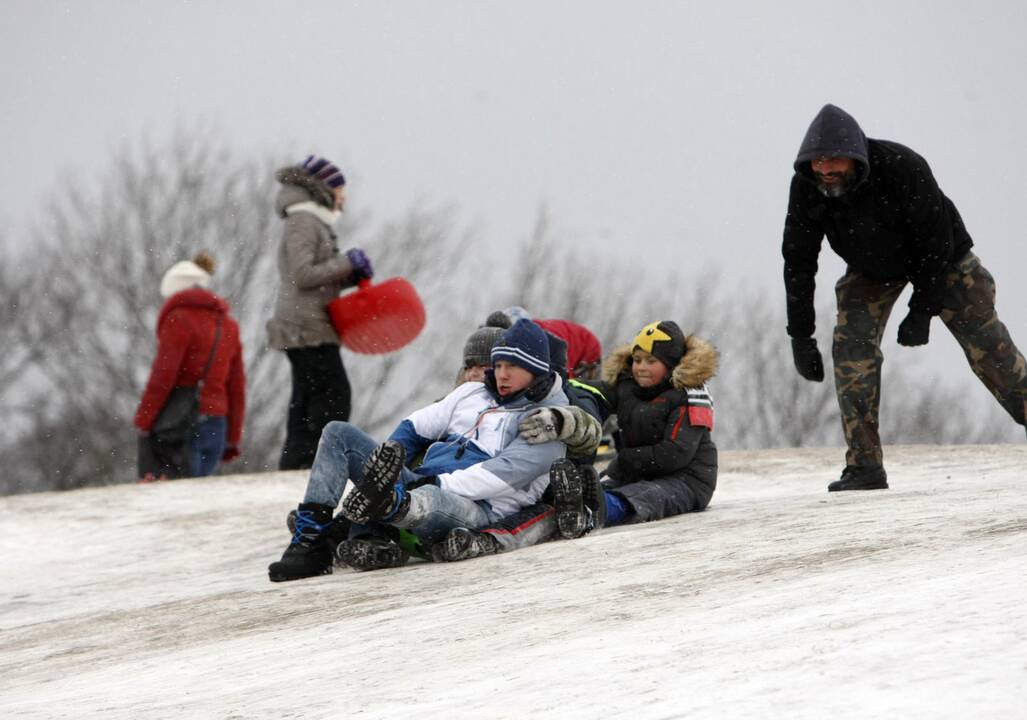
[[377, 319]]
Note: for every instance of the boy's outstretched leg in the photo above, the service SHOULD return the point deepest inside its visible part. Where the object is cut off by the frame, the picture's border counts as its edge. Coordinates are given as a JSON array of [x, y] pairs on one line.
[[375, 496], [308, 555]]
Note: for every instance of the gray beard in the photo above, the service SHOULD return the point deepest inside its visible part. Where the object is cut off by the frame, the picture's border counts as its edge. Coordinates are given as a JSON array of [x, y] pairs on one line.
[[836, 190], [833, 191]]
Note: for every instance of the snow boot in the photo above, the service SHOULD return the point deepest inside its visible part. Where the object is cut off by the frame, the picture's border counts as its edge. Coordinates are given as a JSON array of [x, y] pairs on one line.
[[594, 497], [336, 531], [464, 544], [308, 555], [568, 497], [370, 553], [855, 477], [374, 497]]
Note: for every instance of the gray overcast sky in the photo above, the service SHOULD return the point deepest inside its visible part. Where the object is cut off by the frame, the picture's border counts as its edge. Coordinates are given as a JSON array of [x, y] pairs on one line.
[[663, 127]]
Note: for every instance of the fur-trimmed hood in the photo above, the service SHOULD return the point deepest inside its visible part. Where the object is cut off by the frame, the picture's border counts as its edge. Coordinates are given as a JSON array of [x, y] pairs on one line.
[[697, 365], [310, 188]]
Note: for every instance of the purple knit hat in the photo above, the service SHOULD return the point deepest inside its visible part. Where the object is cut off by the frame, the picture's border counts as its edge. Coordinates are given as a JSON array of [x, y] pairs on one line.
[[324, 170]]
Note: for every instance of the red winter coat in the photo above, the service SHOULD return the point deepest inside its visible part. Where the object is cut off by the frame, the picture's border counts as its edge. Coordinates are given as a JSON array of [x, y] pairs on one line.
[[185, 336], [582, 345]]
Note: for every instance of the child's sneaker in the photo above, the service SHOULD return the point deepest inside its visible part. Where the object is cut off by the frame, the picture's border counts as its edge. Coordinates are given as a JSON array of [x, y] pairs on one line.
[[464, 544], [373, 496], [370, 554]]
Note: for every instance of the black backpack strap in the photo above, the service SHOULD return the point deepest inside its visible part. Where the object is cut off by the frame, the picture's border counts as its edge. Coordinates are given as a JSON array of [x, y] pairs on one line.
[[213, 350]]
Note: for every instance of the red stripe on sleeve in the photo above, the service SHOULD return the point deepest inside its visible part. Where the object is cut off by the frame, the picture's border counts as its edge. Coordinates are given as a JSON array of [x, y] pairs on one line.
[[702, 416], [677, 425]]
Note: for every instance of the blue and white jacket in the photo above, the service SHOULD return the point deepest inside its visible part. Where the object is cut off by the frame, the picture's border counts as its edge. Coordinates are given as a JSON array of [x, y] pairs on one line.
[[475, 450]]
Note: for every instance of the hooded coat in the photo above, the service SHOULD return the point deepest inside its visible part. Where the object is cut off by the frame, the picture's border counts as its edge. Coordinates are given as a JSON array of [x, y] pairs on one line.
[[667, 462], [311, 270], [186, 328], [893, 223]]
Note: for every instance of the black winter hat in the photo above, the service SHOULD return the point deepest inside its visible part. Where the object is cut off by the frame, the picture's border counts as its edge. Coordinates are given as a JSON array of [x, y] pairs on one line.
[[664, 340], [557, 352]]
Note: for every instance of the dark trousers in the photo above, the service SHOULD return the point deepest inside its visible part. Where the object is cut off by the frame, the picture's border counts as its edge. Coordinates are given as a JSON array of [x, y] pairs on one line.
[[320, 394], [968, 312]]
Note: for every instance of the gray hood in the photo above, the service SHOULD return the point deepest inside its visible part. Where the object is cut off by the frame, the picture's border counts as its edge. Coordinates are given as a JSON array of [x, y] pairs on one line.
[[299, 187], [833, 133]]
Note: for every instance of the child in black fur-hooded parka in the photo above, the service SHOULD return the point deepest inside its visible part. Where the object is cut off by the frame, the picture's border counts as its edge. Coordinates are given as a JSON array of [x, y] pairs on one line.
[[666, 463]]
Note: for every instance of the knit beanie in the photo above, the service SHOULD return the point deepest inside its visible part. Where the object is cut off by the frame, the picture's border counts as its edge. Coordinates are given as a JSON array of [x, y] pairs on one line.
[[323, 170], [524, 344], [663, 340], [557, 352], [186, 274], [478, 348]]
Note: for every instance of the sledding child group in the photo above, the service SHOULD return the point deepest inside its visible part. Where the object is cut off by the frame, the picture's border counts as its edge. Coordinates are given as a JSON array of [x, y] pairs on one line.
[[488, 452]]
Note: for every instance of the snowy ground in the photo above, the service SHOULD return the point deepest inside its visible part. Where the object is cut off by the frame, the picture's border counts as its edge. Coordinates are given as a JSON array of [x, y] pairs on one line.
[[779, 601]]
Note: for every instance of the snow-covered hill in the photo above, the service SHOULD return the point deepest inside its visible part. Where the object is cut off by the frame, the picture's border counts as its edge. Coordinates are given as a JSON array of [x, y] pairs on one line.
[[779, 601]]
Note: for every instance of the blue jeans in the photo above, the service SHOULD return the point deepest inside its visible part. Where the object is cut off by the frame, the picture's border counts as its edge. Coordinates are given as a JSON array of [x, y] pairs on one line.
[[207, 445], [434, 512], [341, 454]]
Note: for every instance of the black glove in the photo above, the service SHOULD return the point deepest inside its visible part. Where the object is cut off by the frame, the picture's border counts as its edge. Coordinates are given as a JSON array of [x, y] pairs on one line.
[[807, 359], [915, 329]]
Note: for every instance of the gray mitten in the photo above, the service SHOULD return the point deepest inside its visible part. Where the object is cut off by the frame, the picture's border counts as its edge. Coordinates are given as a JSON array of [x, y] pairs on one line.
[[541, 426], [581, 432]]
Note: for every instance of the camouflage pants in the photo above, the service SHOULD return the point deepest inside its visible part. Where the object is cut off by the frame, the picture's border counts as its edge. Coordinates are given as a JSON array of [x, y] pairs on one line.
[[968, 312]]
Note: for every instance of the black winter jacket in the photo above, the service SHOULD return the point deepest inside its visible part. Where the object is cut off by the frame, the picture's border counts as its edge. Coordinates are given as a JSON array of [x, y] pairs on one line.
[[667, 463], [894, 224]]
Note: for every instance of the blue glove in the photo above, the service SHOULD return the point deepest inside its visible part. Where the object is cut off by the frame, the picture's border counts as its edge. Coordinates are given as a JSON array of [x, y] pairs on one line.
[[360, 263]]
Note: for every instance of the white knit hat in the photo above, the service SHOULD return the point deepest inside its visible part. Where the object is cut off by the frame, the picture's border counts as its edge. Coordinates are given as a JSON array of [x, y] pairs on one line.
[[182, 276]]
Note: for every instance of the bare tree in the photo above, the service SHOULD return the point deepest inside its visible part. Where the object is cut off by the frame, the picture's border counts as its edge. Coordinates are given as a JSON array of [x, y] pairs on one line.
[[83, 343], [78, 320]]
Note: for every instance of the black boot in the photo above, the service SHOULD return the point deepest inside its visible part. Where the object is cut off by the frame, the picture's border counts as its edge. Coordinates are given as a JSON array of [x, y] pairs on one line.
[[371, 553], [373, 497], [335, 533], [464, 544], [856, 477], [308, 555], [594, 496]]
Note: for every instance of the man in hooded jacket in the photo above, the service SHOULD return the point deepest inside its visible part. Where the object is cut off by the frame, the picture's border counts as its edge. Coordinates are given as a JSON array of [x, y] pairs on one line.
[[882, 212]]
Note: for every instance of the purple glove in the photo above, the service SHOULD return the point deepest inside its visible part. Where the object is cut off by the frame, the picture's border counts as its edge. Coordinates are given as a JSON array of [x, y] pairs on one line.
[[360, 263]]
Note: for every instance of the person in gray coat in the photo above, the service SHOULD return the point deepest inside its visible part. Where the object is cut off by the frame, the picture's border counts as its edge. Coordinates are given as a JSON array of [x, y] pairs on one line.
[[312, 272]]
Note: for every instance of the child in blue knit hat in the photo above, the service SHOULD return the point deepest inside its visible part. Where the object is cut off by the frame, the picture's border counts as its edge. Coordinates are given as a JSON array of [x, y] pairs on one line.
[[477, 469]]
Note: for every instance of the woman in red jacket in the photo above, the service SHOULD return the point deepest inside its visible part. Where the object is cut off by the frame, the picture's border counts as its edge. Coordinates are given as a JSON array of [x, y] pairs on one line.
[[186, 330]]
